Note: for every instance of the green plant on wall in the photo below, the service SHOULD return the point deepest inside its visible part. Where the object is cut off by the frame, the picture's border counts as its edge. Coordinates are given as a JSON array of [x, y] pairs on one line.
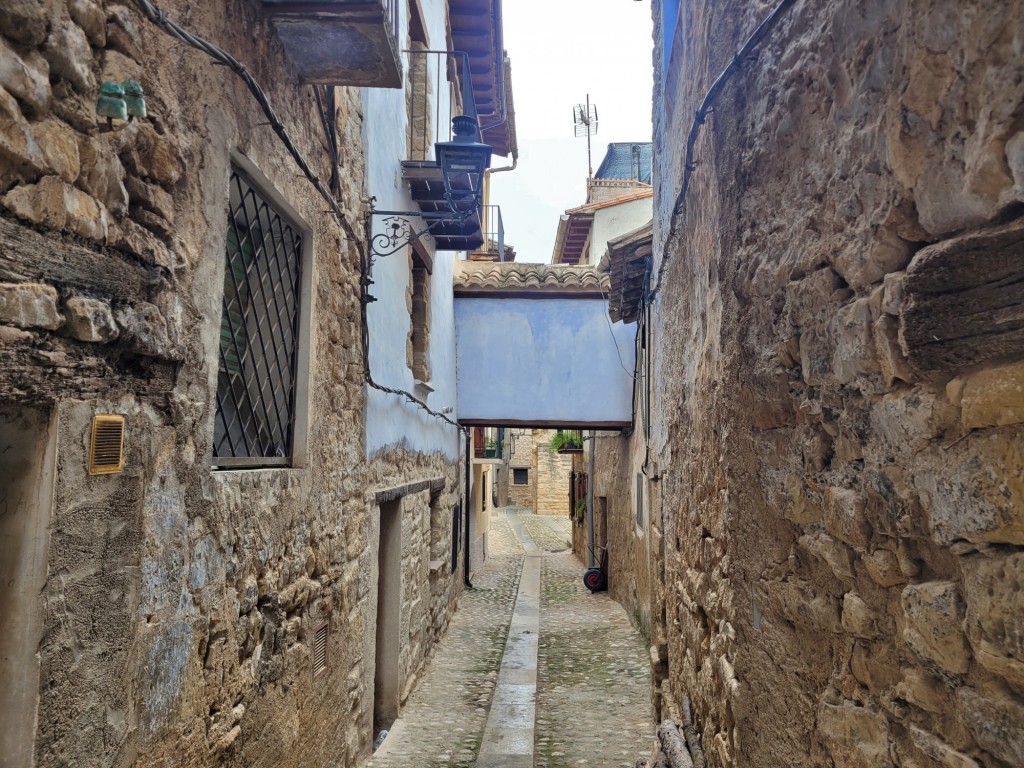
[[579, 511], [565, 440]]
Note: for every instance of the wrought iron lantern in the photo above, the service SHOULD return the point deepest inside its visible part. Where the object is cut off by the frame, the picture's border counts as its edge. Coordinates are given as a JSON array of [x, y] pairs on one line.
[[463, 162]]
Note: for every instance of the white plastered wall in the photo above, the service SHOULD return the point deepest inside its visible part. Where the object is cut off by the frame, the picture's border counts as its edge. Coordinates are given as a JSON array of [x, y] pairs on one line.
[[392, 421]]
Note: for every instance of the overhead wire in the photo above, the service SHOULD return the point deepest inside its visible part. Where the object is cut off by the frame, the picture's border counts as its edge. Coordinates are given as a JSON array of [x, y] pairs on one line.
[[611, 332], [689, 165]]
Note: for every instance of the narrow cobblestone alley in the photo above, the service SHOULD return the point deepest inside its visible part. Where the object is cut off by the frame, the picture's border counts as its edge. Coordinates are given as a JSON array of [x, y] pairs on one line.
[[592, 678]]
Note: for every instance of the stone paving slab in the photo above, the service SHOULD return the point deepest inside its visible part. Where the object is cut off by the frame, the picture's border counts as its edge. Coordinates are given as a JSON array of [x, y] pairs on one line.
[[572, 689], [443, 720], [593, 691], [508, 735]]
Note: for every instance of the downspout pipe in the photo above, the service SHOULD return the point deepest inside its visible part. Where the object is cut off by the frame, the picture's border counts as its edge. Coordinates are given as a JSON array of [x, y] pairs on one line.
[[591, 560], [467, 503], [503, 168]]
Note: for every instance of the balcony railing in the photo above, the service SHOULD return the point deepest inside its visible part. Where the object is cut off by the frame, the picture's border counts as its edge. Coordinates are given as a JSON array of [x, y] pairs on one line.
[[493, 247], [433, 74], [340, 42], [488, 443]]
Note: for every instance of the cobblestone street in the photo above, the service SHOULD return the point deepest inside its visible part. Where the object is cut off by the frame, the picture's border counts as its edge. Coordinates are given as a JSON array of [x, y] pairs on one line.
[[592, 684]]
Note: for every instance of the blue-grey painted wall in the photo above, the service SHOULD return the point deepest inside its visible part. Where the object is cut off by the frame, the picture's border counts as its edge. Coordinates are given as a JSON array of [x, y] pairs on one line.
[[539, 360]]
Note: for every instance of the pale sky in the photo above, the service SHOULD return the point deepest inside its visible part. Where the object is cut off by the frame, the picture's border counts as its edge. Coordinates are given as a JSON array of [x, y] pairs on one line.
[[560, 51]]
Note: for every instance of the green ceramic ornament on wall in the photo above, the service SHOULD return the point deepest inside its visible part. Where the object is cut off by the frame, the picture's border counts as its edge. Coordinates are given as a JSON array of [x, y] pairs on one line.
[[111, 103], [135, 98]]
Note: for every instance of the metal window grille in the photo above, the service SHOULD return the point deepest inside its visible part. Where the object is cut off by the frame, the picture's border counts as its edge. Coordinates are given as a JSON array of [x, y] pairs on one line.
[[259, 333], [520, 476]]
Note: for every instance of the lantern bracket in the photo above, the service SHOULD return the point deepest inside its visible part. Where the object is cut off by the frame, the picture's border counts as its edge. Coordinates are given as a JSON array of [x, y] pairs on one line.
[[400, 231]]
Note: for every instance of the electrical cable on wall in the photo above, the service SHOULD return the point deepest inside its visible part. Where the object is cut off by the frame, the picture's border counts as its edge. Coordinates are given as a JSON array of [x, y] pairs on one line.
[[325, 107], [698, 121]]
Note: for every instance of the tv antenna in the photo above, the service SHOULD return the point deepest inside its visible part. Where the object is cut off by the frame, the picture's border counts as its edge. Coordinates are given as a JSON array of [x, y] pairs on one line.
[[585, 118]]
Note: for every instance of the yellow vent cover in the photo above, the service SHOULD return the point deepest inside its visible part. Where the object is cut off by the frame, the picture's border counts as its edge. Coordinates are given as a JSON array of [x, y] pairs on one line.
[[106, 449]]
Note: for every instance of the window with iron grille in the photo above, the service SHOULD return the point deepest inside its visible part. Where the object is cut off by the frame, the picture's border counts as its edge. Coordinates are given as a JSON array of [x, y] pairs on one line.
[[520, 476], [259, 332]]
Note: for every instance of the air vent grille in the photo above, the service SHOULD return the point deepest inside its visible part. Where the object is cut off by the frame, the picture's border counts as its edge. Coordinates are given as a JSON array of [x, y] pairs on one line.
[[106, 448], [320, 650]]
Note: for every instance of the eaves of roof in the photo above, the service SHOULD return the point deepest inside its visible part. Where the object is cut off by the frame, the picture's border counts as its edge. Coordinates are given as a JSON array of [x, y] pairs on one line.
[[628, 262], [502, 138], [537, 280], [476, 28], [571, 239], [629, 197]]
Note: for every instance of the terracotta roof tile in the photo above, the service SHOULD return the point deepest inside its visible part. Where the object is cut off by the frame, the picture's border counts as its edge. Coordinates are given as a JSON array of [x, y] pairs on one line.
[[503, 277], [627, 198]]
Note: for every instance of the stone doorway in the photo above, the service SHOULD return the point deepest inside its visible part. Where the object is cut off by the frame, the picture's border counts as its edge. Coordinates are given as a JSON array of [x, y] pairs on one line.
[[387, 674], [27, 448]]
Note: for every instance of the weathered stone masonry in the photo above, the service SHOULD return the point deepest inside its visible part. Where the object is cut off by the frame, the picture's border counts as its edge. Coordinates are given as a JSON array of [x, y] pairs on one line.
[[838, 421], [180, 603]]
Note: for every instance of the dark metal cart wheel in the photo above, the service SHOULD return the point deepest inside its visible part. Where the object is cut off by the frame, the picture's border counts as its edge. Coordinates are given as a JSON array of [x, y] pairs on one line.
[[594, 580]]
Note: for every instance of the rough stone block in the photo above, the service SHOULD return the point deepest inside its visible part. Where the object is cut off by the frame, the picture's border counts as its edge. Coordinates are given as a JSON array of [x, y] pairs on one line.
[[974, 490], [938, 750], [892, 293], [54, 204], [835, 554], [19, 152], [149, 155], [854, 354], [800, 603], [1015, 159], [921, 690], [887, 252], [123, 31], [910, 420], [993, 397], [26, 77], [91, 320], [994, 594], [801, 509], [67, 49], [883, 567], [858, 619], [29, 305], [932, 616], [59, 143], [73, 108], [855, 735], [890, 356], [873, 666], [90, 16], [964, 300], [118, 67], [24, 20], [151, 197], [996, 721], [146, 330], [102, 174], [845, 516]]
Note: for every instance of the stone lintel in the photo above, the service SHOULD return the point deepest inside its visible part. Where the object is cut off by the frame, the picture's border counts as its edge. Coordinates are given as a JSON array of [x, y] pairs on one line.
[[434, 485]]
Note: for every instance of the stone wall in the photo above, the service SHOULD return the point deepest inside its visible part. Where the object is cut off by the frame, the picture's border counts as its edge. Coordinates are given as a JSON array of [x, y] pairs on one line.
[[631, 547], [181, 603], [522, 458], [837, 401], [551, 472]]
